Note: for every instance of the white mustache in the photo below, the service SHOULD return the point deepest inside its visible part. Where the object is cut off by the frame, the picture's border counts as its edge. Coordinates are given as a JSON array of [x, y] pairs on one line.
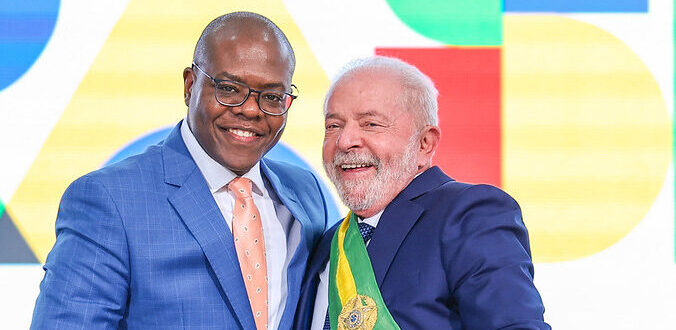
[[355, 158]]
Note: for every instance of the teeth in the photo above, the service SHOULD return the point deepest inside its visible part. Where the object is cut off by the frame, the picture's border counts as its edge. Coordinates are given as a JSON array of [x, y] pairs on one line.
[[240, 132], [350, 166]]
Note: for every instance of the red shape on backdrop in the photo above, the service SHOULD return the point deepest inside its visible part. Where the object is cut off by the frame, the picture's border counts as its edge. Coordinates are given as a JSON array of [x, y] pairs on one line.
[[468, 80]]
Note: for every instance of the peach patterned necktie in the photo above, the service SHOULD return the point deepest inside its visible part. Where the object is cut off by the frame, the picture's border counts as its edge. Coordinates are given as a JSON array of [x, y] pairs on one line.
[[247, 230]]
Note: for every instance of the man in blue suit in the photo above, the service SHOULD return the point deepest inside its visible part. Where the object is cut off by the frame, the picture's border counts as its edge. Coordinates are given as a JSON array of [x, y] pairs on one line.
[[158, 241], [439, 254]]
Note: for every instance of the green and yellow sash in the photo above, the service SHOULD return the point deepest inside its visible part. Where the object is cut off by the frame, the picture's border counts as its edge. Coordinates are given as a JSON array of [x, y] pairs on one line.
[[354, 298]]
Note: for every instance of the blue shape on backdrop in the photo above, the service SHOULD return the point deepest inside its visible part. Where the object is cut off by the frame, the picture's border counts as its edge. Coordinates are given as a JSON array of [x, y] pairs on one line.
[[139, 145], [279, 152], [25, 29], [577, 6]]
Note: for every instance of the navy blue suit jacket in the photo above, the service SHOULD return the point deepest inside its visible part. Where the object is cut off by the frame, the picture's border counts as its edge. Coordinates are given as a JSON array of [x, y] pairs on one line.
[[142, 244], [446, 255]]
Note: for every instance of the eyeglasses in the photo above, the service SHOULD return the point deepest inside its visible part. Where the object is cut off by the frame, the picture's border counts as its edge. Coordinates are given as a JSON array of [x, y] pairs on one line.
[[232, 93]]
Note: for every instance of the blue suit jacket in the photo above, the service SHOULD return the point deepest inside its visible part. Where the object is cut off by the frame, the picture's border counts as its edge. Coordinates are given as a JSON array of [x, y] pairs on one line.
[[141, 244], [446, 255]]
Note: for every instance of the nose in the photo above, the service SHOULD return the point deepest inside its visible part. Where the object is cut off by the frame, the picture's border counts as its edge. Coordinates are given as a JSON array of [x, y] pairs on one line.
[[350, 137], [249, 108]]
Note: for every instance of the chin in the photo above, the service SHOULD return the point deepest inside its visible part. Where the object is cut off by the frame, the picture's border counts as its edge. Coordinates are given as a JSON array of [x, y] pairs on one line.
[[358, 198], [238, 168]]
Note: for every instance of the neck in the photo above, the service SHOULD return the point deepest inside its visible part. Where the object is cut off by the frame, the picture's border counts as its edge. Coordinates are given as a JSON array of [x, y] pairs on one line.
[[423, 168], [367, 213]]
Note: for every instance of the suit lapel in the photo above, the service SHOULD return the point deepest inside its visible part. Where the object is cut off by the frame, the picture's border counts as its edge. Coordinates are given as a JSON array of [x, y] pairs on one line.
[[308, 292], [289, 198], [296, 268], [393, 226], [321, 255], [198, 210], [398, 219]]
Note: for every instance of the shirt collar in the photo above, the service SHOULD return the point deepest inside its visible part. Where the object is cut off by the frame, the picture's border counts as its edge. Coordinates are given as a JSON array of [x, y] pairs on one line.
[[216, 175], [373, 220]]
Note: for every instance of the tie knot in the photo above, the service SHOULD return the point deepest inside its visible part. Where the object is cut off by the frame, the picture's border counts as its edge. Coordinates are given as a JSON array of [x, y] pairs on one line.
[[366, 231], [241, 187]]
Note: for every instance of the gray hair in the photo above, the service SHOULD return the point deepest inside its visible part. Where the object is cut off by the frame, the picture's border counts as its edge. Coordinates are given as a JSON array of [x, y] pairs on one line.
[[421, 95], [237, 18]]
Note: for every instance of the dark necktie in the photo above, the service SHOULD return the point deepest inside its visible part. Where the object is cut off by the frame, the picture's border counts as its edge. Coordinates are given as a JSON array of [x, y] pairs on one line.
[[366, 232]]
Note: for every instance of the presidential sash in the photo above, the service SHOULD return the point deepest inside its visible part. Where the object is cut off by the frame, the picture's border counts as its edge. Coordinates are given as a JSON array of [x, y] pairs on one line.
[[354, 298]]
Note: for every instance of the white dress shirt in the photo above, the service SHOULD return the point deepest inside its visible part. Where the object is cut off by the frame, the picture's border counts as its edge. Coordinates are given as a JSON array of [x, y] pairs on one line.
[[322, 299], [280, 231]]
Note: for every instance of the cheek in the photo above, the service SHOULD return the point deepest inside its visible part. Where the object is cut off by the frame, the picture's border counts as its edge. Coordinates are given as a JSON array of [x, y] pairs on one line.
[[196, 97], [328, 149], [278, 124], [201, 121], [198, 109], [276, 127], [387, 149]]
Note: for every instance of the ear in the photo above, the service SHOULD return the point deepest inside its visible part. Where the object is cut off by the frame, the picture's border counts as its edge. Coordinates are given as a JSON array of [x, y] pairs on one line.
[[429, 140], [188, 80]]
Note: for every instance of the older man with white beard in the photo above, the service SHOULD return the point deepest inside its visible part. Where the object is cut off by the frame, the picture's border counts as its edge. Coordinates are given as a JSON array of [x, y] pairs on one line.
[[418, 250]]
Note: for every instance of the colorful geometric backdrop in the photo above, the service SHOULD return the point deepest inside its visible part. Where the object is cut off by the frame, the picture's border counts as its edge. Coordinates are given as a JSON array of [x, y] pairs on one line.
[[566, 105]]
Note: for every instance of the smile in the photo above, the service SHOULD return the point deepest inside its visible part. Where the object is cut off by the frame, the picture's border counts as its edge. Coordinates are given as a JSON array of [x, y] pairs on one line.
[[241, 132], [353, 166]]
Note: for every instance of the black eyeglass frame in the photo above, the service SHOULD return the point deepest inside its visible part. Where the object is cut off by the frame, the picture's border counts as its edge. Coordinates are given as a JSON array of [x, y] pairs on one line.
[[216, 82]]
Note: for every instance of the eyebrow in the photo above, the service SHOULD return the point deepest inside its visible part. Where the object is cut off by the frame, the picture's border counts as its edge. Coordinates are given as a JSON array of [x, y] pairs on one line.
[[229, 76], [359, 115], [331, 116], [369, 114]]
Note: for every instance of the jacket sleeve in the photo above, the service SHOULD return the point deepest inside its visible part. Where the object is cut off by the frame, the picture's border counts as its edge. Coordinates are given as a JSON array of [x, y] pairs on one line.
[[86, 280], [488, 263]]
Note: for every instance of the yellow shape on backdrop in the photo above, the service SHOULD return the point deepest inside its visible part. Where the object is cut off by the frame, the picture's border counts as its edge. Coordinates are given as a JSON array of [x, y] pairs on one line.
[[586, 136], [135, 86]]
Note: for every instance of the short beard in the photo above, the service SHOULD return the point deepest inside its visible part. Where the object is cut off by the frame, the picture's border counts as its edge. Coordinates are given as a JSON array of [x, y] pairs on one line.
[[361, 194]]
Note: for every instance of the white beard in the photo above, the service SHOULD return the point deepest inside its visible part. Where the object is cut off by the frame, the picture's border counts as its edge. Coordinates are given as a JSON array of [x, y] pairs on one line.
[[361, 194]]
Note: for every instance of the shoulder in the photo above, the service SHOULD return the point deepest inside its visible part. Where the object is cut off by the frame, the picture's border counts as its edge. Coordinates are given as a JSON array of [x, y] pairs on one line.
[[477, 212], [288, 171], [461, 210], [485, 251], [454, 194], [291, 180], [135, 171], [302, 181], [148, 162]]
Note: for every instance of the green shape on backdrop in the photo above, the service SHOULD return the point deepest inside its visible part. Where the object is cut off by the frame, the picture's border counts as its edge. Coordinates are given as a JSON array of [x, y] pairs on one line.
[[2, 207], [453, 22]]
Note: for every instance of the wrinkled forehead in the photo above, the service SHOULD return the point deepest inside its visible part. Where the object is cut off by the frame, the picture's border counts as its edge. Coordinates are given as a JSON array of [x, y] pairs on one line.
[[369, 83], [366, 94], [370, 92]]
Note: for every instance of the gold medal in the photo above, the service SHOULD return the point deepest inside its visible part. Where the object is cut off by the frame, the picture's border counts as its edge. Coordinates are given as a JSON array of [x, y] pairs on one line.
[[360, 312]]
